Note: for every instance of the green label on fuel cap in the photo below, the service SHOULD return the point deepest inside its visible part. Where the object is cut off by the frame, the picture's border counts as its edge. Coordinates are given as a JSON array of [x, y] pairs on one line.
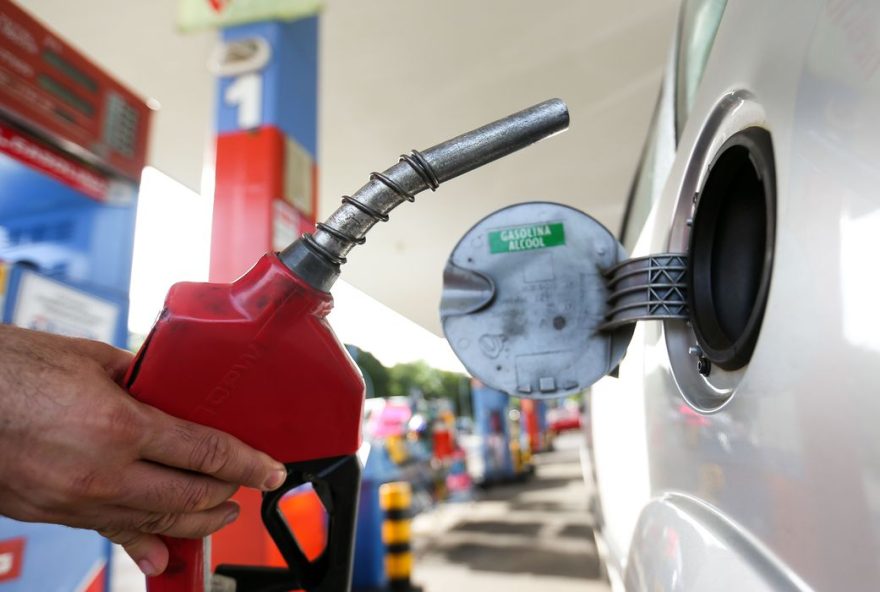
[[526, 238]]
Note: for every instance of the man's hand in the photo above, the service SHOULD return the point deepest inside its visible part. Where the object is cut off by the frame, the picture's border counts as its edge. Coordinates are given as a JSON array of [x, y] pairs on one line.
[[76, 449]]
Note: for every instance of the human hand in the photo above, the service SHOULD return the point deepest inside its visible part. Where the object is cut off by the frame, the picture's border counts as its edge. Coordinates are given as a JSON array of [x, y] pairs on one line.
[[79, 451]]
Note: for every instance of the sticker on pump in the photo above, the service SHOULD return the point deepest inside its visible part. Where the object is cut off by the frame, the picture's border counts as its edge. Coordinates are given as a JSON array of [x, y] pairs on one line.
[[11, 558]]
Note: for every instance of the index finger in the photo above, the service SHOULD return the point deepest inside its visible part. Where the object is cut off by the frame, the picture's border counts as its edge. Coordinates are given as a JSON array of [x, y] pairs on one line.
[[186, 445]]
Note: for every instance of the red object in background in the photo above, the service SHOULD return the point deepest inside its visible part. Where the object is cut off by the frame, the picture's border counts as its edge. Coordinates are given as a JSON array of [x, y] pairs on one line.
[[442, 439], [564, 418], [218, 5], [11, 559], [307, 519], [528, 408], [49, 86], [250, 179], [244, 541], [255, 359], [99, 577]]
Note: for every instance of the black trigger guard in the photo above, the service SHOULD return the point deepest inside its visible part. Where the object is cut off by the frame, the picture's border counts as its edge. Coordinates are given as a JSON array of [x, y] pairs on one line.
[[336, 480]]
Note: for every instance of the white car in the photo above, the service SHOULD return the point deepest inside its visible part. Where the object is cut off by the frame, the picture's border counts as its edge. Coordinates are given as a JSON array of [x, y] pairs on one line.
[[741, 450]]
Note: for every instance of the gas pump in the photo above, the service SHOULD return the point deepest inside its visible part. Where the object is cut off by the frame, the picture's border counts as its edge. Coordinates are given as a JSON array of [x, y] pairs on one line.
[[534, 419], [492, 461], [72, 146], [265, 187]]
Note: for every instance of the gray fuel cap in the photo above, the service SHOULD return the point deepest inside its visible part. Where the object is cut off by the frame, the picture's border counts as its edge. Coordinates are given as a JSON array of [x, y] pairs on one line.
[[524, 298]]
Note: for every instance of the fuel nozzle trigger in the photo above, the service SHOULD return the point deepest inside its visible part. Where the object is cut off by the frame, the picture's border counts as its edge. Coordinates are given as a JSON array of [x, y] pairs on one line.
[[336, 481]]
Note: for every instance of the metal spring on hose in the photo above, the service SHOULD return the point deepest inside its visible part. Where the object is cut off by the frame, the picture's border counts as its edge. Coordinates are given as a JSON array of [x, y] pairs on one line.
[[417, 162], [422, 168]]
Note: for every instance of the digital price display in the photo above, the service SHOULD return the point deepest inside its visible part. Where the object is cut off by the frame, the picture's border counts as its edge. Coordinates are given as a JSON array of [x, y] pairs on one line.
[[49, 87]]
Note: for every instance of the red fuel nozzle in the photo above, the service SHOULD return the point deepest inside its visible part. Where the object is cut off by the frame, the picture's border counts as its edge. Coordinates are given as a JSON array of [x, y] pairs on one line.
[[257, 359]]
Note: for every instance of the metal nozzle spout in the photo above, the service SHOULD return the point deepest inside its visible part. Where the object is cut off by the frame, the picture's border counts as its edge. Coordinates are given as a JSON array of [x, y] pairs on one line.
[[317, 258]]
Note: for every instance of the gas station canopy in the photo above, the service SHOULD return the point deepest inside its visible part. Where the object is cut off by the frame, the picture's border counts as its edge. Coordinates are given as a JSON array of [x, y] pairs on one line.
[[388, 85]]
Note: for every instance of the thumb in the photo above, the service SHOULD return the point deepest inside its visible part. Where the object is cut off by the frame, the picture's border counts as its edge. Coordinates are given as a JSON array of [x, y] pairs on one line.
[[147, 550]]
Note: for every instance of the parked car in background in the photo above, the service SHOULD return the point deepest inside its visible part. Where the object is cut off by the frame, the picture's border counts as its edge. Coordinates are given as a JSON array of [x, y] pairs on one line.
[[564, 417], [739, 450]]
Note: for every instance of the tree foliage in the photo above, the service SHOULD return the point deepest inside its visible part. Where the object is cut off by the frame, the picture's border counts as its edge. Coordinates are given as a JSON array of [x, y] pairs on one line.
[[409, 378], [375, 374]]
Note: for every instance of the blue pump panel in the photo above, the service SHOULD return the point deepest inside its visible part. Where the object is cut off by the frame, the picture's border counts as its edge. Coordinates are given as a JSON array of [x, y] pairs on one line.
[[63, 233], [287, 98], [68, 194], [490, 419], [38, 301], [52, 558], [80, 245], [67, 261]]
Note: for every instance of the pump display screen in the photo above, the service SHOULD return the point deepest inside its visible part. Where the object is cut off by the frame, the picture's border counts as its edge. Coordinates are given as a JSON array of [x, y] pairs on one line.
[[64, 93], [70, 70], [49, 88]]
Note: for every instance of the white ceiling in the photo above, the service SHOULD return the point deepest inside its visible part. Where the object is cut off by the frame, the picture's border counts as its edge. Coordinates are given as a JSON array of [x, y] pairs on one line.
[[401, 74]]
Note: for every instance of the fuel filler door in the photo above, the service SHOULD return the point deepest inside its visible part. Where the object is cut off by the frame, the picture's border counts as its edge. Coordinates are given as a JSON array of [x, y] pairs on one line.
[[539, 299]]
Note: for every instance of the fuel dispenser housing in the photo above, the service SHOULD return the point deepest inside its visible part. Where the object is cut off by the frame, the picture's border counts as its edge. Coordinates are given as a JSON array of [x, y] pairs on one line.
[[73, 143]]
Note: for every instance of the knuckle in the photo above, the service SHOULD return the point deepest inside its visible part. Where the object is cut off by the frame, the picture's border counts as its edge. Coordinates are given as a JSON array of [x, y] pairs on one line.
[[157, 522], [195, 496], [54, 499], [111, 533], [122, 423], [91, 485], [120, 536], [113, 425], [211, 453], [32, 513], [250, 473]]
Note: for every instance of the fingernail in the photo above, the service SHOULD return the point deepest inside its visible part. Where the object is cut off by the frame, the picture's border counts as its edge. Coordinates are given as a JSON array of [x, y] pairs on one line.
[[147, 567], [231, 516], [275, 480]]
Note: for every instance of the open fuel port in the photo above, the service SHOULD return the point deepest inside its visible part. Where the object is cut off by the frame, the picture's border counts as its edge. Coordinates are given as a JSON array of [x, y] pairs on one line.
[[730, 243], [731, 249]]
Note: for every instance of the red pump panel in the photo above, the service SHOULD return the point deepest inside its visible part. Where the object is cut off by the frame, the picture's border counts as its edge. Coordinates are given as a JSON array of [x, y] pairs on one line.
[[252, 199], [250, 167]]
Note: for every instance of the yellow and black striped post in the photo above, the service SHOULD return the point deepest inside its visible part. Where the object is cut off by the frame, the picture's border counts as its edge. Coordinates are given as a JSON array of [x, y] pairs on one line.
[[395, 500]]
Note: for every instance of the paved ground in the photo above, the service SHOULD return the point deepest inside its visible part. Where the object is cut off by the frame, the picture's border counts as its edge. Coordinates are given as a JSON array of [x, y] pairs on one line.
[[529, 536]]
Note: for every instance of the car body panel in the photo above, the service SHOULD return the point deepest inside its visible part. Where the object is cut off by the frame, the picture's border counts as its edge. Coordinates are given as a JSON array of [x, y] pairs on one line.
[[791, 462], [684, 545]]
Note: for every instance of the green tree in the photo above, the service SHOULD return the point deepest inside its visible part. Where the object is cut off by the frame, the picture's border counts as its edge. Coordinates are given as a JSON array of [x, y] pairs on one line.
[[405, 379], [431, 382]]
